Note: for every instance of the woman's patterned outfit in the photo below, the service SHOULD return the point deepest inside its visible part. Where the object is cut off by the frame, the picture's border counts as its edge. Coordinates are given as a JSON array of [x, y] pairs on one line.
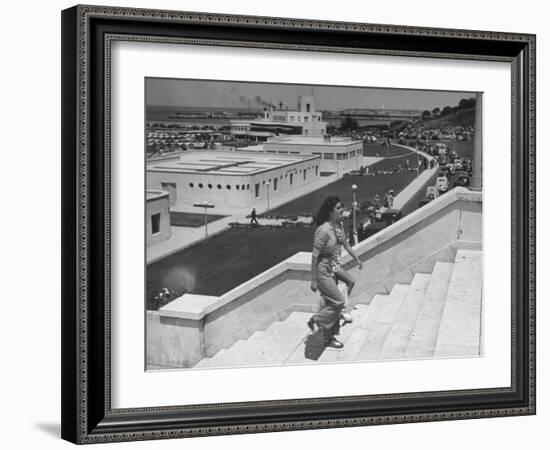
[[327, 245]]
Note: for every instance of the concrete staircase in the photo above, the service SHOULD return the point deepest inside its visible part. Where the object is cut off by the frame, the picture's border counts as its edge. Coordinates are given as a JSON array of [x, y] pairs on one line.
[[437, 315]]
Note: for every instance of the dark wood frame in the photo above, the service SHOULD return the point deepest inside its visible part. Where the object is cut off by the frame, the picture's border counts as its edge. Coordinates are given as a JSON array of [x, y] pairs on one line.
[[87, 416]]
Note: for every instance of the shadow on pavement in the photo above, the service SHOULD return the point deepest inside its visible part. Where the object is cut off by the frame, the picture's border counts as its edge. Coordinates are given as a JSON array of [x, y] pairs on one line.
[[315, 345]]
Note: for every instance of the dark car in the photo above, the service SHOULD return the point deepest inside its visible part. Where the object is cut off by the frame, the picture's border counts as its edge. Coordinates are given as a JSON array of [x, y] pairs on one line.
[[444, 171], [389, 216], [370, 230], [462, 180]]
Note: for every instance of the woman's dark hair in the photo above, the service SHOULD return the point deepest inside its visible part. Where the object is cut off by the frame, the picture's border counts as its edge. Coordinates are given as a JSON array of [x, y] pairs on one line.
[[324, 211]]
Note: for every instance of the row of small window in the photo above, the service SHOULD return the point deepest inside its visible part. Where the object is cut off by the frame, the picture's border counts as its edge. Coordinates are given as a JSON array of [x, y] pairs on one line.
[[241, 187], [338, 155], [306, 118]]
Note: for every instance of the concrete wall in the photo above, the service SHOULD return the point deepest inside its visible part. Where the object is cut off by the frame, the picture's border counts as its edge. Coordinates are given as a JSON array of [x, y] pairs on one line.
[[235, 191], [414, 244], [173, 342], [157, 205]]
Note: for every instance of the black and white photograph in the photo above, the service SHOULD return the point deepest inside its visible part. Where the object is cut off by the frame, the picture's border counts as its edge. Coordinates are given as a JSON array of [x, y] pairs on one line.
[[292, 224]]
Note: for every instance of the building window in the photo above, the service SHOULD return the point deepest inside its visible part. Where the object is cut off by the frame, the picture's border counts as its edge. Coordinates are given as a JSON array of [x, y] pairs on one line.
[[257, 189], [291, 178], [328, 155], [304, 175], [247, 186], [308, 107], [341, 156], [228, 187], [191, 185], [219, 186], [243, 187], [209, 186], [316, 170], [155, 223], [238, 187], [275, 180], [306, 119], [200, 185]]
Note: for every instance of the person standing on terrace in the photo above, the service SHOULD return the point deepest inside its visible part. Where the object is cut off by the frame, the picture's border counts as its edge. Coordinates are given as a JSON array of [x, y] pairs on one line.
[[326, 271]]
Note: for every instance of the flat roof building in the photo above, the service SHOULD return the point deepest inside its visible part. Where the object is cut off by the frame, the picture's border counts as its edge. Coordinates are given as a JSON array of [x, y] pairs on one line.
[[230, 180], [337, 154], [157, 216], [304, 121]]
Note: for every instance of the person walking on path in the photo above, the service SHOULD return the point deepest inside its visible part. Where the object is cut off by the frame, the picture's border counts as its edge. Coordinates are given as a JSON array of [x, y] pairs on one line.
[[253, 217], [326, 271], [389, 199]]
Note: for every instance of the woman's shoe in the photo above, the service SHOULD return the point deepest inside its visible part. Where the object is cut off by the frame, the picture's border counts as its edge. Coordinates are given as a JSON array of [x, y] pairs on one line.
[[313, 326], [334, 343], [346, 317]]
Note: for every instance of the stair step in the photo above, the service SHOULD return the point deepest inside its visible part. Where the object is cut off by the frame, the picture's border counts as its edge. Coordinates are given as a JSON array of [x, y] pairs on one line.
[[273, 345], [363, 318], [211, 361], [460, 328], [226, 358], [332, 354], [383, 324], [423, 337], [396, 343], [357, 339], [285, 339]]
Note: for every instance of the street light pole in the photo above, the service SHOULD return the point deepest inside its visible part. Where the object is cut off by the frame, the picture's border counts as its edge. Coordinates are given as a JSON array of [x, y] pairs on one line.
[[204, 205], [267, 185], [354, 208]]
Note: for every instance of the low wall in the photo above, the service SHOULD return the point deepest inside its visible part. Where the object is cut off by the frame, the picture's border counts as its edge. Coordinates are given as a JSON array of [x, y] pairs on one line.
[[193, 327]]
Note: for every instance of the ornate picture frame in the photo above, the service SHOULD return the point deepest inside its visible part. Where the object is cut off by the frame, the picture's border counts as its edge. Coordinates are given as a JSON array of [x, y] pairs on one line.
[[88, 34]]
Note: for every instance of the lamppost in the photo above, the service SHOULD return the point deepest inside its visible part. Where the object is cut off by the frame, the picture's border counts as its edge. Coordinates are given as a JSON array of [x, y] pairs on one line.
[[354, 208], [204, 205], [267, 186]]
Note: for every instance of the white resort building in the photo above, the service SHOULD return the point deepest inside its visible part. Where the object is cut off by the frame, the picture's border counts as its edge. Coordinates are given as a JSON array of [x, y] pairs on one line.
[[300, 132], [230, 180], [305, 121]]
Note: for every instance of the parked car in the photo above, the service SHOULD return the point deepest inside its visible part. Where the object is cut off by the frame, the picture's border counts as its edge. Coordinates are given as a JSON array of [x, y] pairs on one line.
[[462, 179], [370, 230], [442, 184], [389, 216]]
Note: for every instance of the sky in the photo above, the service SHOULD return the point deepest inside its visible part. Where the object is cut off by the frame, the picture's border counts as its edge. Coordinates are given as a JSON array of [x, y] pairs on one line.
[[234, 94]]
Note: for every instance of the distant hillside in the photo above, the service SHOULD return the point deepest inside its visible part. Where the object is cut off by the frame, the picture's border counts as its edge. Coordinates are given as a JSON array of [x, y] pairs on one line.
[[463, 118]]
